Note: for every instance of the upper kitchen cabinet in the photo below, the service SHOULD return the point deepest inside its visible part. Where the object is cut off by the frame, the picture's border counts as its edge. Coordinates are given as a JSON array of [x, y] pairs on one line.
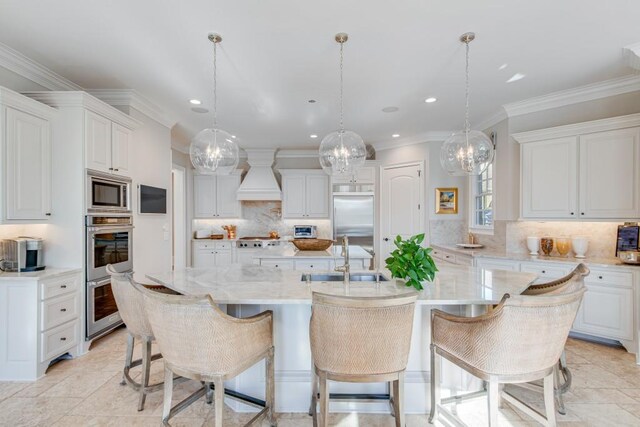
[[305, 193], [107, 145], [586, 171], [364, 175], [25, 132], [215, 196]]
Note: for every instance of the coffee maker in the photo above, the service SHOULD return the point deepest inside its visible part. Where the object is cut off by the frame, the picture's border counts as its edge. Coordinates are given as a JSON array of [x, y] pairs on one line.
[[22, 254]]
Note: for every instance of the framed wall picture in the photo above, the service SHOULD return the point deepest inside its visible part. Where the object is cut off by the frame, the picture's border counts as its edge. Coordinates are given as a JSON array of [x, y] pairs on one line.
[[446, 200]]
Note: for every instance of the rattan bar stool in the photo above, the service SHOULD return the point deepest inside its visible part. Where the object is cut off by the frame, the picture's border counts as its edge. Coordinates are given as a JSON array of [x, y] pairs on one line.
[[569, 283], [521, 340], [131, 309], [200, 342], [360, 339]]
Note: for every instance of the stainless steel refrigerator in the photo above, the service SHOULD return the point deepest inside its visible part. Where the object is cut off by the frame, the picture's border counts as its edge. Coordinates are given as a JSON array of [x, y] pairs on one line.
[[353, 216]]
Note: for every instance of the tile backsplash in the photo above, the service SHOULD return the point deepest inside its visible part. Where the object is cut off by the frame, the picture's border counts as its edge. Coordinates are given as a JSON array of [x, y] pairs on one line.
[[447, 232], [260, 217]]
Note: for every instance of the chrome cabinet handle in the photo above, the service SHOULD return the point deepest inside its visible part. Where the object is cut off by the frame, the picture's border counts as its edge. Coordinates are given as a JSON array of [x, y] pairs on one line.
[[63, 339], [63, 286], [63, 309], [48, 214]]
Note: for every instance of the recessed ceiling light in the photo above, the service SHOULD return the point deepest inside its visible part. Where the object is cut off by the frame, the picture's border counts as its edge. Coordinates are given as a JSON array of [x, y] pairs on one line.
[[395, 135], [199, 110], [195, 101], [390, 109], [503, 66], [430, 100], [312, 101], [233, 136], [516, 77], [313, 135]]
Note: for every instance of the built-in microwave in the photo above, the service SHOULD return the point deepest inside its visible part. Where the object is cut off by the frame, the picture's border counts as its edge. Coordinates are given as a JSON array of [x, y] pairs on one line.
[[108, 193], [305, 231]]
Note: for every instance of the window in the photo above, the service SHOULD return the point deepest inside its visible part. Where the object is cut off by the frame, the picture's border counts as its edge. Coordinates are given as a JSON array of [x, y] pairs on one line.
[[482, 200]]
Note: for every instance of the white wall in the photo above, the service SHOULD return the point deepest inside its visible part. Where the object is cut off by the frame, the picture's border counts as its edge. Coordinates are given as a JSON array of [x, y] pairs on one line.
[[151, 165]]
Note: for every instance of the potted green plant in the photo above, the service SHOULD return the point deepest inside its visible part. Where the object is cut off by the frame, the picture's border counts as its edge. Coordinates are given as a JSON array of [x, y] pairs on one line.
[[411, 261]]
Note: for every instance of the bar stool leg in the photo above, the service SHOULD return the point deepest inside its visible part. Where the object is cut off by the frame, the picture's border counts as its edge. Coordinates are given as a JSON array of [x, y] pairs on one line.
[[549, 401], [493, 401], [435, 386], [146, 367], [219, 402], [208, 393], [270, 392], [324, 401], [398, 400], [558, 390], [128, 358], [168, 394]]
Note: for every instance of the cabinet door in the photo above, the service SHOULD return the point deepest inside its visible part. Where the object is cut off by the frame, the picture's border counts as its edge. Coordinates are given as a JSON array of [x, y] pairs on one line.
[[204, 196], [317, 196], [204, 258], [610, 174], [293, 196], [120, 149], [606, 312], [227, 204], [98, 142], [496, 264], [28, 166], [224, 258], [282, 264], [549, 176], [366, 175]]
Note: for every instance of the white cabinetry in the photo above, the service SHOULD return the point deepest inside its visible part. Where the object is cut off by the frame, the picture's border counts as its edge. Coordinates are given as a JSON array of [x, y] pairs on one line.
[[305, 194], [497, 264], [364, 175], [212, 253], [107, 145], [25, 140], [42, 322], [215, 196], [584, 171]]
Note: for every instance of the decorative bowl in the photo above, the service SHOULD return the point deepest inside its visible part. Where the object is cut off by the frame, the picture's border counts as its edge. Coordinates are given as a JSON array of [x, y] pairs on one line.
[[312, 244]]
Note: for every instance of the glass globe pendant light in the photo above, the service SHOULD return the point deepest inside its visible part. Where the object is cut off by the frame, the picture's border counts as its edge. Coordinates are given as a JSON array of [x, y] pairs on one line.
[[466, 152], [213, 150], [342, 152]]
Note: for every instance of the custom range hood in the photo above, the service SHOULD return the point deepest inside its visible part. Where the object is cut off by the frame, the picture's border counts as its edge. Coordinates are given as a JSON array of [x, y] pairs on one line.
[[260, 182]]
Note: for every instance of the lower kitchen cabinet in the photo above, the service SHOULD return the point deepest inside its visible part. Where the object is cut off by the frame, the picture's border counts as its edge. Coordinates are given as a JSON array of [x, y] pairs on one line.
[[314, 264], [451, 257], [497, 264], [41, 321], [211, 253]]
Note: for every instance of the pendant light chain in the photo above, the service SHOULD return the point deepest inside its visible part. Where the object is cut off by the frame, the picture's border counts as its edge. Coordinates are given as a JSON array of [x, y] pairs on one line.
[[467, 126], [215, 86], [341, 86]]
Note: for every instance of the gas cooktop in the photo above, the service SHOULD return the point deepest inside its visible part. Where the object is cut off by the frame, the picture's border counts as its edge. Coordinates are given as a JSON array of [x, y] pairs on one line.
[[256, 238], [257, 242]]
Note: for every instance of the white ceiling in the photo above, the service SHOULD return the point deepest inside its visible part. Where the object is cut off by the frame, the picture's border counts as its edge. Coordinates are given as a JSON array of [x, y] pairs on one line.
[[277, 54]]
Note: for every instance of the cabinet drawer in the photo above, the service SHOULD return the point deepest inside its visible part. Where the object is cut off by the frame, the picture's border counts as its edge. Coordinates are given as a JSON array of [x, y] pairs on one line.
[[223, 245], [56, 311], [623, 279], [545, 271], [276, 263], [606, 312], [203, 245], [495, 264], [58, 340], [313, 265], [59, 286]]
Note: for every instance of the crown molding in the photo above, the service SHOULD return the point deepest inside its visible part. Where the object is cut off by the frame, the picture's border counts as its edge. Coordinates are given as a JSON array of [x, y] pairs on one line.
[[131, 98], [492, 120], [604, 89], [297, 154], [632, 55], [14, 61], [432, 136], [23, 103], [62, 99], [621, 122]]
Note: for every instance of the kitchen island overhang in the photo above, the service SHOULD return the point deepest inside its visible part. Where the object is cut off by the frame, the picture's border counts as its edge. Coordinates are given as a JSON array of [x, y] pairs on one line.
[[245, 290]]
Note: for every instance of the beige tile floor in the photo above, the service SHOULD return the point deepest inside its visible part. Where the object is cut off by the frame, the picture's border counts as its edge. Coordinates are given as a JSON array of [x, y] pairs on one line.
[[86, 392]]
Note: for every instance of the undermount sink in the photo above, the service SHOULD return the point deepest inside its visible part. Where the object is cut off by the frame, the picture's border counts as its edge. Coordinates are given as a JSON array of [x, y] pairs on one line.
[[338, 277]]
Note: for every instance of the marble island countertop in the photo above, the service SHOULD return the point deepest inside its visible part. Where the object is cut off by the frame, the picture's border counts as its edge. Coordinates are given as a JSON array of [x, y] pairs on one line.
[[253, 284], [289, 251], [490, 253]]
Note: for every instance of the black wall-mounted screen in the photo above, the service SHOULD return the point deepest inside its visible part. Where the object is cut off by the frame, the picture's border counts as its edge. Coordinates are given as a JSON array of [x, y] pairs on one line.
[[153, 200]]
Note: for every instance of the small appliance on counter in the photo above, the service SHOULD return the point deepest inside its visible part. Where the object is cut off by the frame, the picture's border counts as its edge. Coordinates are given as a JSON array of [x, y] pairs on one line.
[[305, 232], [628, 243], [22, 254]]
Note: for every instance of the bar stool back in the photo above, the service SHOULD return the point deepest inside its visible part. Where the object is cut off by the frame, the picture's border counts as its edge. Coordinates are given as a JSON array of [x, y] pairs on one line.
[[358, 339]]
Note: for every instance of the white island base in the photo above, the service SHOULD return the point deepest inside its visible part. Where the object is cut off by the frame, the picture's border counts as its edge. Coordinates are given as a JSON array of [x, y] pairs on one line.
[[248, 290]]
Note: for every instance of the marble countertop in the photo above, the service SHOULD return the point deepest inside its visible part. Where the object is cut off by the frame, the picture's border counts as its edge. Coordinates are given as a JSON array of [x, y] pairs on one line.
[[253, 284], [289, 251], [47, 273], [488, 253]]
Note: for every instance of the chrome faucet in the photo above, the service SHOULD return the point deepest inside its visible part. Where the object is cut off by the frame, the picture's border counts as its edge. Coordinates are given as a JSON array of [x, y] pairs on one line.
[[346, 268]]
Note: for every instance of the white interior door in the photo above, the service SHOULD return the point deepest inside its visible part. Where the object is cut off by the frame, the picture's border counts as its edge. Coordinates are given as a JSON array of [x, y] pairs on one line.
[[401, 205]]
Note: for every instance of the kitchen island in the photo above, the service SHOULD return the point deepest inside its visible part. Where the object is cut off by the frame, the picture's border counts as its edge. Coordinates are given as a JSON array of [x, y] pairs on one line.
[[245, 290]]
